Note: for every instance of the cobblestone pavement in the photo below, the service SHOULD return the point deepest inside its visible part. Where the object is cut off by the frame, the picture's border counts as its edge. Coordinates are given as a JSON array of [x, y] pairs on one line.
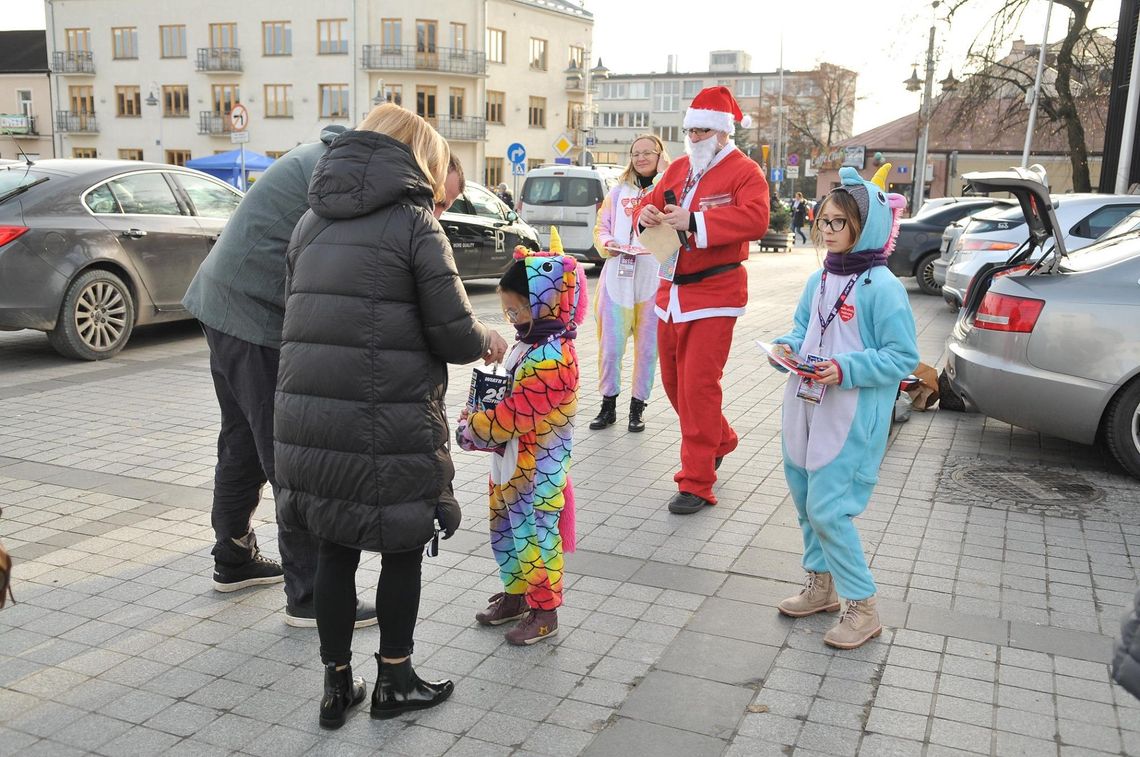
[[1000, 594]]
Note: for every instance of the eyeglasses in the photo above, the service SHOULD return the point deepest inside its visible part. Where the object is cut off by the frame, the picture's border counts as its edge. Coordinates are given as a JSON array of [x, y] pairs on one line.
[[835, 224], [694, 132], [648, 154]]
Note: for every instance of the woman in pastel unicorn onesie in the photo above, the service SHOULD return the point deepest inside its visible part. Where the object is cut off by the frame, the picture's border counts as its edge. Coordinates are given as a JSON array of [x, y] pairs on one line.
[[530, 434], [627, 287]]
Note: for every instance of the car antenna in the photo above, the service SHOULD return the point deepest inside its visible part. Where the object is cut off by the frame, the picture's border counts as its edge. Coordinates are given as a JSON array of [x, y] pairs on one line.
[[19, 149]]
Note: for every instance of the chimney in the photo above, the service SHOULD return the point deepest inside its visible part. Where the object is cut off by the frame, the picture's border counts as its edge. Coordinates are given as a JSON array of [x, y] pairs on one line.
[[1018, 46], [671, 64]]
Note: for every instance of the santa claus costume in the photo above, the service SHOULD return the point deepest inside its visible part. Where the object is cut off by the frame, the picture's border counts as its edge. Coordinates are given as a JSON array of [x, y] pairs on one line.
[[699, 300]]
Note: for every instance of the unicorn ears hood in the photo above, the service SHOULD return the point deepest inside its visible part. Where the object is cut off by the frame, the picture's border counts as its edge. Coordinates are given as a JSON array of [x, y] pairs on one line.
[[556, 282], [879, 211]]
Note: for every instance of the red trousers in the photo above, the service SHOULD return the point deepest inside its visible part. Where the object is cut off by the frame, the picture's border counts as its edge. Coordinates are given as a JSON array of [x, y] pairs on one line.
[[693, 355]]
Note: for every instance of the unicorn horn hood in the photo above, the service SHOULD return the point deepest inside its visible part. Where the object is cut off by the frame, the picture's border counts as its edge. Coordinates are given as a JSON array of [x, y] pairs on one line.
[[556, 283], [879, 210]]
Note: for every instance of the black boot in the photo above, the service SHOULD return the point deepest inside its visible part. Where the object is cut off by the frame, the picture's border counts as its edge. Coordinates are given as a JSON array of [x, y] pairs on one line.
[[399, 689], [636, 408], [341, 692], [607, 416]]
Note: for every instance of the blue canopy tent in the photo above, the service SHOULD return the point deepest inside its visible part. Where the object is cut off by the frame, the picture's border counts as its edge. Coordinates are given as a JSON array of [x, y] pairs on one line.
[[227, 165]]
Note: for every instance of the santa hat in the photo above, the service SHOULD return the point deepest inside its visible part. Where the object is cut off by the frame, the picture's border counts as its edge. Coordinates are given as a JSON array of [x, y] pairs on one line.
[[715, 108]]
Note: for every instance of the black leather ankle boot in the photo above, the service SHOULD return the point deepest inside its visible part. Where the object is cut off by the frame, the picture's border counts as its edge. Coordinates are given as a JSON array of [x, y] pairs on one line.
[[636, 408], [399, 689], [341, 692], [607, 416]]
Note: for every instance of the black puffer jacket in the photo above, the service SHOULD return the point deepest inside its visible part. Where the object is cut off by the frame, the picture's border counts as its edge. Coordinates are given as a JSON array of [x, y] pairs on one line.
[[374, 311], [1126, 662]]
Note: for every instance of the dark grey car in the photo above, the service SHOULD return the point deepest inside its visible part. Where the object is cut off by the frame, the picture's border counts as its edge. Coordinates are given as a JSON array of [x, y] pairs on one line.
[[91, 248]]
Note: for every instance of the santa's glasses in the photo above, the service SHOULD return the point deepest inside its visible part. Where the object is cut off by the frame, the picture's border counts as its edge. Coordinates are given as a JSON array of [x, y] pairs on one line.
[[697, 132]]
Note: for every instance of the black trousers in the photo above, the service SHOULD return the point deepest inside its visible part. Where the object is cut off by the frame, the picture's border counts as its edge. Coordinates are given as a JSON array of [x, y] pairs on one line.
[[397, 600], [245, 379]]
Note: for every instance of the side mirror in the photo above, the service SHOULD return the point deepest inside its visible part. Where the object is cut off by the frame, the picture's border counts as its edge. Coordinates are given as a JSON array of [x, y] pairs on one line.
[[512, 216]]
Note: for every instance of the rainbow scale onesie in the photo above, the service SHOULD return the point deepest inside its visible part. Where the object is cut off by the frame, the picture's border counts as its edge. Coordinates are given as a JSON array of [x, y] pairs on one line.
[[532, 431]]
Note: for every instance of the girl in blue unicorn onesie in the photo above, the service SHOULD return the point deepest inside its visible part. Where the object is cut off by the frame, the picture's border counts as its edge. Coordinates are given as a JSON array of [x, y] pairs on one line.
[[855, 325]]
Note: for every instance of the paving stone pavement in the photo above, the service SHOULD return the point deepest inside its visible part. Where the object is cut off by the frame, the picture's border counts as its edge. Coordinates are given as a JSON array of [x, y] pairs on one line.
[[999, 610]]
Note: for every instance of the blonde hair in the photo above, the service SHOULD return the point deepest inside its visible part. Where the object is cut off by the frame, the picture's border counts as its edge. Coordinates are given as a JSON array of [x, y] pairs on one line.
[[846, 204], [629, 175], [429, 150]]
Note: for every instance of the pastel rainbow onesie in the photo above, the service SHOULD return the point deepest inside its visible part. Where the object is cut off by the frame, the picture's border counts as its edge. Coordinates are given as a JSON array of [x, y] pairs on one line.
[[623, 306], [531, 432]]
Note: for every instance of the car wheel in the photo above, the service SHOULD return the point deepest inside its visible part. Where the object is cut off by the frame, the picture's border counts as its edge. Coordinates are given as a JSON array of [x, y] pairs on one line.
[[1122, 428], [96, 318], [924, 274]]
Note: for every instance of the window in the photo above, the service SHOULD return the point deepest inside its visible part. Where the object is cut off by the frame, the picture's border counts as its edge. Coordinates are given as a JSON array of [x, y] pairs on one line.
[[485, 204], [455, 102], [668, 133], [83, 152], [225, 97], [334, 100], [125, 42], [496, 45], [537, 113], [426, 35], [615, 90], [223, 35], [332, 39], [177, 157], [578, 56], [78, 40], [390, 32], [1101, 221], [276, 38], [747, 87], [128, 103], [173, 39], [639, 119], [24, 101], [101, 200], [574, 115], [81, 99], [210, 199], [562, 190], [176, 101], [639, 90], [145, 194], [496, 104], [278, 100], [493, 173], [723, 59], [458, 36], [394, 93], [692, 87], [667, 96], [538, 54], [425, 103], [612, 119], [130, 153]]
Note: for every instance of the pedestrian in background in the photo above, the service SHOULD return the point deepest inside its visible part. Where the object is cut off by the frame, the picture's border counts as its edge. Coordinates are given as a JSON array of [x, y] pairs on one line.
[[374, 311], [799, 216], [504, 194], [855, 326], [624, 305], [1126, 661]]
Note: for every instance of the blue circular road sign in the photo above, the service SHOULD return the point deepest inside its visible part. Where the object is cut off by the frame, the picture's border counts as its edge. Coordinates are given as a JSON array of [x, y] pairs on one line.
[[516, 153]]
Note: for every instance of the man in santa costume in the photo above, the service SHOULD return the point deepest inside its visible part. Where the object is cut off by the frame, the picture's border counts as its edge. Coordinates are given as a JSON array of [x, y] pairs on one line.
[[721, 205]]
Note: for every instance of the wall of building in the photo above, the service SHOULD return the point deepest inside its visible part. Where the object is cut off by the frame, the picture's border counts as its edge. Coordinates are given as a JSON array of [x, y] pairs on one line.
[[39, 143]]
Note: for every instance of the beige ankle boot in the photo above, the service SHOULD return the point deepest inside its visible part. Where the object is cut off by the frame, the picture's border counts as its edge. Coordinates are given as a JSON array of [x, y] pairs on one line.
[[818, 595], [858, 624]]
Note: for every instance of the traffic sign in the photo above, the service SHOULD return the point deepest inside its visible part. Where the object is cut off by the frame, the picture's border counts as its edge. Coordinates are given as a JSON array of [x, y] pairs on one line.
[[239, 137], [777, 174], [591, 141], [563, 144], [518, 169], [793, 160], [793, 172], [239, 117], [516, 153]]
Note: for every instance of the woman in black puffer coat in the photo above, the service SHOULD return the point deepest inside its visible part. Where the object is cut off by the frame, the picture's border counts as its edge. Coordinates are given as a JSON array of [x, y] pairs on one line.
[[1126, 661], [374, 311]]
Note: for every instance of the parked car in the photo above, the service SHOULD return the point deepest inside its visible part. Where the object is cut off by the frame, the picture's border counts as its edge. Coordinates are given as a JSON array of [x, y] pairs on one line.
[[919, 237], [567, 197], [484, 232], [1051, 342], [91, 248], [992, 237]]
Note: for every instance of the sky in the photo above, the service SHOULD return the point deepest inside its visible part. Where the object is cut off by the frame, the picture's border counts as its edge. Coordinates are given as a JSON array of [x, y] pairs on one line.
[[880, 44]]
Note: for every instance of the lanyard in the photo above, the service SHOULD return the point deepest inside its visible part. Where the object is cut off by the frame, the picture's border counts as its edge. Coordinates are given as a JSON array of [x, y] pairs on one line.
[[641, 192], [824, 323], [691, 181]]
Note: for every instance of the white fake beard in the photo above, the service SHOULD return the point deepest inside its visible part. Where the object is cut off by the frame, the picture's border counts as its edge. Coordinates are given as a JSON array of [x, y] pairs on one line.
[[701, 153]]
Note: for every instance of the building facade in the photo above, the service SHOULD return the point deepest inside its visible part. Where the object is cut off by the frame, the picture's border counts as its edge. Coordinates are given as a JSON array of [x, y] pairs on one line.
[[25, 96], [155, 81]]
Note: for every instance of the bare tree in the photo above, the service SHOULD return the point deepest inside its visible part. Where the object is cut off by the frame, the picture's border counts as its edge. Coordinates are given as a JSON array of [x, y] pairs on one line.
[[820, 114]]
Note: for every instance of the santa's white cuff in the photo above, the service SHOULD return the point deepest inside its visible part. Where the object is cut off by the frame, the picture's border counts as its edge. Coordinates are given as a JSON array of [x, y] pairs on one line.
[[702, 232]]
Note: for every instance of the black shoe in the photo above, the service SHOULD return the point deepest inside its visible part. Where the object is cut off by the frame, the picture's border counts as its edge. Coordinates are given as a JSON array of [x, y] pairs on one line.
[[257, 571], [342, 691], [305, 616], [399, 689], [717, 462], [607, 416], [636, 408], [684, 503]]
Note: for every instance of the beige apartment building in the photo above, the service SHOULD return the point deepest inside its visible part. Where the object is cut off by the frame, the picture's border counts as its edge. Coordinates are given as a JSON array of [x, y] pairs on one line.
[[25, 96], [157, 81]]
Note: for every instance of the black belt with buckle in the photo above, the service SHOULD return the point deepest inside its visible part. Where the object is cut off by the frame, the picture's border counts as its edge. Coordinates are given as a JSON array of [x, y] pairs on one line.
[[693, 278]]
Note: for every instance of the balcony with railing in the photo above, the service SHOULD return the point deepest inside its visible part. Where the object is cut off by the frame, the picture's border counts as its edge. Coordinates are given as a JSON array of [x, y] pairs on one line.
[[18, 125], [219, 59], [470, 129], [446, 60], [213, 124], [72, 62], [76, 123]]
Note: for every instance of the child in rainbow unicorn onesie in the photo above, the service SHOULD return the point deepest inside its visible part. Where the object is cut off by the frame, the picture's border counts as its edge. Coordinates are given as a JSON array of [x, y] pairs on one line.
[[530, 433], [627, 286], [855, 325]]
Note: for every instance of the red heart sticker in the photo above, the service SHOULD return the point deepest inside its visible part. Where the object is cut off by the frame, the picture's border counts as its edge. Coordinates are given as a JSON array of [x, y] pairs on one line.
[[847, 312]]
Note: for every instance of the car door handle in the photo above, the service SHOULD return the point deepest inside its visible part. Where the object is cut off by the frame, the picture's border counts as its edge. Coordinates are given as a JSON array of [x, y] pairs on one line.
[[488, 233], [453, 229], [133, 233]]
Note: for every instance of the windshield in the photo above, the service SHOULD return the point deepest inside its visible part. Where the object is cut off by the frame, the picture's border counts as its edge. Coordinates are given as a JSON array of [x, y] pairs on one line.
[[1104, 253], [996, 220], [574, 191]]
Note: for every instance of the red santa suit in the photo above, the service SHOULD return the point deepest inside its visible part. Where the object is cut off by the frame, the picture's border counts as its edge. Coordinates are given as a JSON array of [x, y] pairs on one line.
[[699, 307]]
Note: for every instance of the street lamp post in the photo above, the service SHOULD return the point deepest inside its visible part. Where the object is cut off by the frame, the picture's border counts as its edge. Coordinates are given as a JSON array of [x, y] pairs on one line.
[[924, 112]]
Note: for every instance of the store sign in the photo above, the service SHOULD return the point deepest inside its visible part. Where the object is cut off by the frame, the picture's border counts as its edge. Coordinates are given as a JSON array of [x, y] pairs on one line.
[[838, 157], [15, 124]]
